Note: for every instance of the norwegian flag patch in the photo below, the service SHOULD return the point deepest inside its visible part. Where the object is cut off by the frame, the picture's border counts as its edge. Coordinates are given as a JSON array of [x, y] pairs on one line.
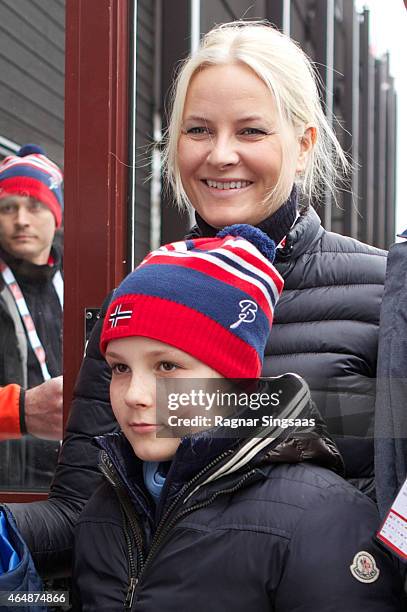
[[120, 316]]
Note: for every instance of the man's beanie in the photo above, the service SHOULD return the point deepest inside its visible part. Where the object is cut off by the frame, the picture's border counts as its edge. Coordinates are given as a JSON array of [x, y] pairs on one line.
[[31, 173], [213, 298]]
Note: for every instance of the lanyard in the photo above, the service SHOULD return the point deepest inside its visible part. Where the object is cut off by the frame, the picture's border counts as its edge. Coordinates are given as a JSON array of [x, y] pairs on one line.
[[26, 318]]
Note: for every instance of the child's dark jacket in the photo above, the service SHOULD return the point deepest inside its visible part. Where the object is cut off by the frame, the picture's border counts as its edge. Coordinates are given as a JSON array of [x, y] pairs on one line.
[[278, 530]]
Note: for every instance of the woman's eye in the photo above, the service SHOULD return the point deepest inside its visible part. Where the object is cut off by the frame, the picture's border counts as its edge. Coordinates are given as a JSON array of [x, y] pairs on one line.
[[168, 366], [253, 132], [120, 368], [197, 131]]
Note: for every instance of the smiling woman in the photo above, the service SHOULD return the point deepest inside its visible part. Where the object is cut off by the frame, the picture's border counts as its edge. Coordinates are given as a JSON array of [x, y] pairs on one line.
[[230, 151], [247, 80], [248, 141]]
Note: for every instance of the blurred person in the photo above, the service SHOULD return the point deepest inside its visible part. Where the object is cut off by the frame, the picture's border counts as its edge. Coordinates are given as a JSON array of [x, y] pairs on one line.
[[391, 419], [31, 299]]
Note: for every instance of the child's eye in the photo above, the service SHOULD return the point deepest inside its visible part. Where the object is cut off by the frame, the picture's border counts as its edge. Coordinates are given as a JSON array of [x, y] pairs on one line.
[[120, 368], [168, 366]]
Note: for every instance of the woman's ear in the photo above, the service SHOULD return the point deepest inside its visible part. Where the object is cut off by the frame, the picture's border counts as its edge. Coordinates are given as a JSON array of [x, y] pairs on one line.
[[307, 142]]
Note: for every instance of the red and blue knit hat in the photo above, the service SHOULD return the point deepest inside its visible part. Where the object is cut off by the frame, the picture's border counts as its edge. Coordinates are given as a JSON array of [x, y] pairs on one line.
[[31, 173], [213, 298]]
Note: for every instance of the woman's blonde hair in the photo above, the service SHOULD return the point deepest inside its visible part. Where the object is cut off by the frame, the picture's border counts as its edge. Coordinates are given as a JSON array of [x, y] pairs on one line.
[[291, 78]]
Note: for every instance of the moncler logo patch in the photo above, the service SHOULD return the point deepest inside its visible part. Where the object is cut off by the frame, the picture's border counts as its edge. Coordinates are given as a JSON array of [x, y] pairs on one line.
[[364, 567], [248, 312], [120, 315]]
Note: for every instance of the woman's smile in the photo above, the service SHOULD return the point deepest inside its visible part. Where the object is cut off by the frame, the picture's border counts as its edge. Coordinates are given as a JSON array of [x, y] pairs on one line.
[[224, 188]]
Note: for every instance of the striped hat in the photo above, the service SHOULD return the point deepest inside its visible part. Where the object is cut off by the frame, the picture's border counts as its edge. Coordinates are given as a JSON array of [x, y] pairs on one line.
[[213, 298], [31, 173]]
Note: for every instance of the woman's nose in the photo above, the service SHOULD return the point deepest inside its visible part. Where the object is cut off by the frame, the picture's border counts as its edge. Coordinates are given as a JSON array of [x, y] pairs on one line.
[[223, 152], [141, 392]]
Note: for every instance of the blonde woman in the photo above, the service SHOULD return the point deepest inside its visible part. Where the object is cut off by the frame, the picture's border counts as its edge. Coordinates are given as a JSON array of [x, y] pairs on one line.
[[248, 142]]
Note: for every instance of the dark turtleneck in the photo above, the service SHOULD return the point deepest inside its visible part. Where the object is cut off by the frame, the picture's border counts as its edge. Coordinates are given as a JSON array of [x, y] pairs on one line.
[[25, 271], [276, 226]]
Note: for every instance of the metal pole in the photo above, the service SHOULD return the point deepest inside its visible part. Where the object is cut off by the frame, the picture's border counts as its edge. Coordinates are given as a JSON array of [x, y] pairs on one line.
[[132, 152]]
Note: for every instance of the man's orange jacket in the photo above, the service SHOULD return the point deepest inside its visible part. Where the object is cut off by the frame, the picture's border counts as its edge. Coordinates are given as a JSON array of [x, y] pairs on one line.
[[10, 397]]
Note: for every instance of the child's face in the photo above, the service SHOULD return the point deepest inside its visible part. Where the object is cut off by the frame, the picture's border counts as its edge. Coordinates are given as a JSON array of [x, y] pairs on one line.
[[137, 364]]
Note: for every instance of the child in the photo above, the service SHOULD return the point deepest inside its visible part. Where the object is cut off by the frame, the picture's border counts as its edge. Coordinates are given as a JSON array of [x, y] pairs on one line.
[[254, 523]]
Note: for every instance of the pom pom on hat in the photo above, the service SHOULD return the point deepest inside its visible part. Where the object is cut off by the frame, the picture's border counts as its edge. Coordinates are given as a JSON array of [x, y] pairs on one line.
[[212, 298], [30, 149], [31, 173], [259, 239]]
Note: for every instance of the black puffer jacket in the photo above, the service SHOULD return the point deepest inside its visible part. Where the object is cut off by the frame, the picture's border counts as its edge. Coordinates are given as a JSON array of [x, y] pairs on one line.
[[326, 328], [233, 531]]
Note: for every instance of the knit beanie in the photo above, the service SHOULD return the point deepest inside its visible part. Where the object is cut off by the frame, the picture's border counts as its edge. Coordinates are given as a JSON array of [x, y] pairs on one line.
[[213, 298], [31, 173]]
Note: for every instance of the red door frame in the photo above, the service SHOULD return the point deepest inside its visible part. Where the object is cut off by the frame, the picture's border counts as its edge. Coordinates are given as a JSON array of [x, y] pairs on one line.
[[96, 154]]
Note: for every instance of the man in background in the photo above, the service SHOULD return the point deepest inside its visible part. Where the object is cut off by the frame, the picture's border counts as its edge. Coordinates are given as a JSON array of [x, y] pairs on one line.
[[31, 299]]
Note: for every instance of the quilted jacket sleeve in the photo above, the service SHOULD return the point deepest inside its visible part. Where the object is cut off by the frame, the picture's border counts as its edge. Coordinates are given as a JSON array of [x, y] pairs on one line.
[[47, 526]]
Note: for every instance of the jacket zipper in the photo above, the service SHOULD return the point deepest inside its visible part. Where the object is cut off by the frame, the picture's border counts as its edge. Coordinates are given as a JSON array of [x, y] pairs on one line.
[[129, 520], [132, 567], [204, 504], [166, 523]]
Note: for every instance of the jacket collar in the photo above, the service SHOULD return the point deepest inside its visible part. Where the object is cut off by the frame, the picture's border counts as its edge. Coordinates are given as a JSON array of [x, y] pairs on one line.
[[227, 454], [127, 467], [306, 230]]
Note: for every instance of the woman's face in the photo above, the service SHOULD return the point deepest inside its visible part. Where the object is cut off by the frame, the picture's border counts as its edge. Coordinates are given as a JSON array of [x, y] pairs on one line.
[[230, 147]]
